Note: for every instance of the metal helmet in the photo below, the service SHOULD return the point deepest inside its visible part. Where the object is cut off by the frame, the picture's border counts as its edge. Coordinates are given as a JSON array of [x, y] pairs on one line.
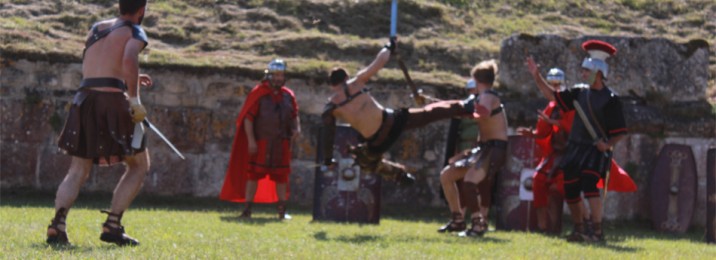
[[598, 51], [276, 65], [596, 65], [555, 75], [470, 84]]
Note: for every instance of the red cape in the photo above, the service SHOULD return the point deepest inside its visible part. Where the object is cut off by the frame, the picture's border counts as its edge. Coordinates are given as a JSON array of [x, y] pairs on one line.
[[236, 175], [545, 130], [619, 179]]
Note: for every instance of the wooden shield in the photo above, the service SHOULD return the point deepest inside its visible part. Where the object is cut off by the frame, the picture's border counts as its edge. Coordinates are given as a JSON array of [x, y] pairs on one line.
[[711, 196], [345, 194], [673, 189], [513, 213]]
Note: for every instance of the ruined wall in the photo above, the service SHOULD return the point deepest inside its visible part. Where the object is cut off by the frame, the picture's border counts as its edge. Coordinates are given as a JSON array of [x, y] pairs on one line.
[[196, 109]]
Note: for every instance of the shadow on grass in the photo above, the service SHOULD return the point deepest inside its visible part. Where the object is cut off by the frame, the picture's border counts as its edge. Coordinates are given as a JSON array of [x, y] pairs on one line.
[[256, 221], [74, 248], [356, 239], [610, 246], [362, 238]]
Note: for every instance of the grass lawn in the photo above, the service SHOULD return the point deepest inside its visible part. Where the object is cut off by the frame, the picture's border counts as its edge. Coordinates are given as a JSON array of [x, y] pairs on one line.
[[180, 228]]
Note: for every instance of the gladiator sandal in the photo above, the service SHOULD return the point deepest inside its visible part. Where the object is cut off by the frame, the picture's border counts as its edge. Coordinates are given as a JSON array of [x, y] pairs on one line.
[[247, 211], [395, 171], [457, 223], [478, 229], [588, 227], [55, 236], [578, 234], [113, 231], [598, 233], [282, 211]]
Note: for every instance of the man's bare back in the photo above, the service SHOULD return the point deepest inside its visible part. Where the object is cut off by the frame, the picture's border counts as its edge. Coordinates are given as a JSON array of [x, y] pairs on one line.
[[106, 58]]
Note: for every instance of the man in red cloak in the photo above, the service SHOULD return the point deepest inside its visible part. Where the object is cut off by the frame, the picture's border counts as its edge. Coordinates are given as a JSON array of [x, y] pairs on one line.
[[260, 161], [550, 133]]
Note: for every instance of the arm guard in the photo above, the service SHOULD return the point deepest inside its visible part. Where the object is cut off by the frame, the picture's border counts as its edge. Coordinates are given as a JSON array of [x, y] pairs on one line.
[[329, 133]]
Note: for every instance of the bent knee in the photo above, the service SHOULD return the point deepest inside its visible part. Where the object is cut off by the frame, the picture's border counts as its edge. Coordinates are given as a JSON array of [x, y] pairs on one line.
[[451, 174], [138, 161]]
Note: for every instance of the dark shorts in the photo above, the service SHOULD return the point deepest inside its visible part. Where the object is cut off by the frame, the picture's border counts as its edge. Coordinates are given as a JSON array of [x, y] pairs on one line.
[[395, 122], [99, 127], [390, 129]]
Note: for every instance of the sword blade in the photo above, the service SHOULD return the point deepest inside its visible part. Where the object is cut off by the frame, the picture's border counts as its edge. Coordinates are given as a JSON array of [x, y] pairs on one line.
[[394, 18], [166, 141]]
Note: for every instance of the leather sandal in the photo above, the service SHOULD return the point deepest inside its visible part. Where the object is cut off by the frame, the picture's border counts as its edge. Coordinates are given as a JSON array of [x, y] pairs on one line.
[[59, 237], [578, 234], [457, 223], [282, 211], [478, 229], [598, 233], [247, 211], [112, 234]]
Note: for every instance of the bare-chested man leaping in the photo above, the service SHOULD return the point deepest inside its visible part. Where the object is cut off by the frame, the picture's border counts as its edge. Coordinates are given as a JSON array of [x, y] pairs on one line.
[[379, 127]]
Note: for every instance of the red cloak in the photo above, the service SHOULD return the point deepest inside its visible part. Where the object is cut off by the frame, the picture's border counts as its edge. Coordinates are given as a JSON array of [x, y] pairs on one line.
[[234, 188], [619, 181]]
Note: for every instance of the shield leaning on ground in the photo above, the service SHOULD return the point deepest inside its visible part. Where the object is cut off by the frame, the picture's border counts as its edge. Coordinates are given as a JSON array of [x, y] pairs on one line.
[[512, 212], [345, 194], [711, 196], [673, 189]]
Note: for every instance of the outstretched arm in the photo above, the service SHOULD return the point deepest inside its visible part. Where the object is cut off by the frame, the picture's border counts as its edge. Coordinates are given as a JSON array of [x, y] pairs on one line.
[[545, 88], [378, 63]]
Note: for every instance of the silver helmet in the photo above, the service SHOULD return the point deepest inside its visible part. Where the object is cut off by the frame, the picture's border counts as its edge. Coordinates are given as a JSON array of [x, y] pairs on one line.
[[598, 51], [595, 65], [276, 65], [555, 75]]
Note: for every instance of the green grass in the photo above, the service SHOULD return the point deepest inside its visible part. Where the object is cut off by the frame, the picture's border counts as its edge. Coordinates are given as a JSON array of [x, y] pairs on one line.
[[180, 228]]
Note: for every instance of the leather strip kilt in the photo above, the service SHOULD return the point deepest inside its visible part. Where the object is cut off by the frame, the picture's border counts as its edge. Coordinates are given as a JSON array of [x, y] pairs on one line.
[[99, 127]]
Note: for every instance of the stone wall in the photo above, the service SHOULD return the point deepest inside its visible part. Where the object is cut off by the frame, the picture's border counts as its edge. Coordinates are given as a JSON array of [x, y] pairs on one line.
[[196, 109]]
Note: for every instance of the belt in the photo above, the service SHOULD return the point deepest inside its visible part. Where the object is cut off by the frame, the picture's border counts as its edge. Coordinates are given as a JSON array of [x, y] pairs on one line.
[[103, 82], [493, 143]]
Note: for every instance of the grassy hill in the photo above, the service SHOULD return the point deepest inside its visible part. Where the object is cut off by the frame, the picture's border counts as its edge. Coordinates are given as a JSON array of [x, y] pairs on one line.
[[440, 39]]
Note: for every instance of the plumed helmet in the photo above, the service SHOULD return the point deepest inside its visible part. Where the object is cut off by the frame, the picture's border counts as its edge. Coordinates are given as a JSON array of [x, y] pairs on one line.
[[276, 65], [598, 51], [555, 75]]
